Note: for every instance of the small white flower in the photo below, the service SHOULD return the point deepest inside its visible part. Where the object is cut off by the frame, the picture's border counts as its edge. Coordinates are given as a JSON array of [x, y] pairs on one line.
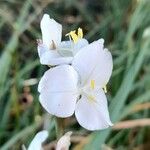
[[64, 142], [80, 88], [37, 141], [51, 50]]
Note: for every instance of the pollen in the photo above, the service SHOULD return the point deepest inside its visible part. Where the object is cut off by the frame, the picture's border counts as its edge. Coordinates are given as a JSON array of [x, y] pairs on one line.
[[105, 88], [92, 84]]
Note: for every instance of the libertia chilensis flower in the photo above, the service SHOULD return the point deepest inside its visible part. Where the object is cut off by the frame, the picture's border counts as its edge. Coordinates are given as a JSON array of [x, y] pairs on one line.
[[81, 86], [52, 51]]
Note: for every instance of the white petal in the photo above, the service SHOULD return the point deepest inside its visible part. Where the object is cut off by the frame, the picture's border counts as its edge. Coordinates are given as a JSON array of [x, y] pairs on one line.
[[93, 62], [39, 138], [51, 30], [65, 45], [58, 90], [73, 47], [65, 48], [93, 115], [42, 48], [52, 57], [79, 45]]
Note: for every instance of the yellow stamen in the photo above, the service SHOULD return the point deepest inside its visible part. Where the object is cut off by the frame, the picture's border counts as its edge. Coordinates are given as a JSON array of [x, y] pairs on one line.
[[80, 33], [92, 85], [105, 89], [73, 36]]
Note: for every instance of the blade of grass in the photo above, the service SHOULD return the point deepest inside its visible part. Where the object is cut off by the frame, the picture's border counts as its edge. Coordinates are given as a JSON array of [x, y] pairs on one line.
[[25, 132], [6, 57]]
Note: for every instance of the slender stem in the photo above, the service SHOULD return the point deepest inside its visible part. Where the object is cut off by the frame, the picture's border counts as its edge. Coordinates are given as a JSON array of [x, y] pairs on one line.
[[60, 126]]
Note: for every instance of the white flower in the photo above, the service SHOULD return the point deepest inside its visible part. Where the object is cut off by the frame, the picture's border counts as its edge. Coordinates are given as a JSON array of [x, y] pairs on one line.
[[80, 88], [51, 50], [39, 138]]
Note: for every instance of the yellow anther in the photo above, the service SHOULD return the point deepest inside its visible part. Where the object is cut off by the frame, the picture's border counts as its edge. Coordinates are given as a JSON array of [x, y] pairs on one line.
[[80, 33], [73, 35], [92, 85], [105, 89], [91, 98]]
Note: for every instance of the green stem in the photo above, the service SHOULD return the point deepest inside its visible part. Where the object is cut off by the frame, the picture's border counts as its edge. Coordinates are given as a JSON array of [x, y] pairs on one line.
[[60, 126]]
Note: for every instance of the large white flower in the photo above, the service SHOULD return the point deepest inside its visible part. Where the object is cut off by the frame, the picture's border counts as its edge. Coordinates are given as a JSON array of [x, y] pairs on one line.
[[51, 50], [80, 88], [37, 141]]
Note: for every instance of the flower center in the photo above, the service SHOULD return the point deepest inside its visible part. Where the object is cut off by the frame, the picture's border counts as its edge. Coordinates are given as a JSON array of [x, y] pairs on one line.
[[89, 91], [75, 37], [91, 98]]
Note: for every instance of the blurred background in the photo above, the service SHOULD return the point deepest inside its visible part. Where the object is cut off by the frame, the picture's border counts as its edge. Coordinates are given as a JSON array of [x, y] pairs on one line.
[[125, 26]]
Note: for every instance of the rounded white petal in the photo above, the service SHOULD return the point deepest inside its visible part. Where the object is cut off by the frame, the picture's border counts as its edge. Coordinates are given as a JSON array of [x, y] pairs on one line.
[[52, 57], [39, 138], [93, 115], [93, 63], [51, 30], [58, 90]]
